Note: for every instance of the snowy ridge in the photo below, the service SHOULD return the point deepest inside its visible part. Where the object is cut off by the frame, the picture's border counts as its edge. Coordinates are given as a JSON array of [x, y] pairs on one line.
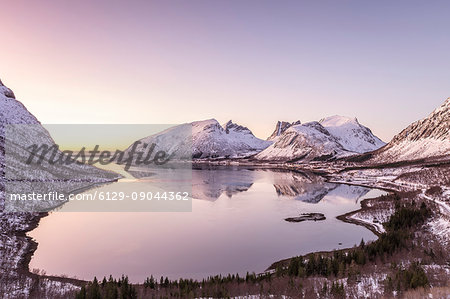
[[302, 142], [426, 138], [206, 139], [332, 137], [351, 134], [19, 129], [13, 111]]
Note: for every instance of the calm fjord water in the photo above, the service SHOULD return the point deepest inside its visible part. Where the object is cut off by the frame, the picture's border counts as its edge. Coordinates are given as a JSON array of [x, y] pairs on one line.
[[236, 225]]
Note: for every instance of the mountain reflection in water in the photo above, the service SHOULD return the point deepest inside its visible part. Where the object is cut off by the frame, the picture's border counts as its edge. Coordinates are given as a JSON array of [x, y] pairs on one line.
[[210, 182]]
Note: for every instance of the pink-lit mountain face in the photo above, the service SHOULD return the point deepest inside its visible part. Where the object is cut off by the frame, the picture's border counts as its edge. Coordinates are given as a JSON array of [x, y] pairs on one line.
[[330, 138], [423, 139]]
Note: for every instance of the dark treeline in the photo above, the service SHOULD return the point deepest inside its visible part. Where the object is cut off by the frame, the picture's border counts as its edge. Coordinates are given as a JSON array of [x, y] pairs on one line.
[[182, 288], [336, 264], [110, 288], [345, 263], [410, 278]]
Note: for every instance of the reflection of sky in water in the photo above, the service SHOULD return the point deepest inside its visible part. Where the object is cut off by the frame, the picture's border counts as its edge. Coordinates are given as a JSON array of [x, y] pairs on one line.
[[236, 225]]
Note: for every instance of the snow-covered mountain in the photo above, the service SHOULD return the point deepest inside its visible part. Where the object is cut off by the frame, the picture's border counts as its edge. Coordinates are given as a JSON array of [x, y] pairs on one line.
[[19, 129], [206, 139], [280, 127], [425, 138], [351, 134], [332, 137]]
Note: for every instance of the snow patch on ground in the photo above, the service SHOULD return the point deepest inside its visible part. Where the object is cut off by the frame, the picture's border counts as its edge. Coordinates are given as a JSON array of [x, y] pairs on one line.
[[441, 228], [374, 219], [370, 286]]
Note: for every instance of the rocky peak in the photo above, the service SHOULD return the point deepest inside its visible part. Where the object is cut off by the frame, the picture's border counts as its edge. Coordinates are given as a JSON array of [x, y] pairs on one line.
[[428, 138], [6, 91], [318, 127], [435, 126], [230, 126], [281, 127], [209, 125]]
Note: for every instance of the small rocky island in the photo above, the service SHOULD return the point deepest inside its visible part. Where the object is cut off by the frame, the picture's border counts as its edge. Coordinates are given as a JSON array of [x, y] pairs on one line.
[[306, 216]]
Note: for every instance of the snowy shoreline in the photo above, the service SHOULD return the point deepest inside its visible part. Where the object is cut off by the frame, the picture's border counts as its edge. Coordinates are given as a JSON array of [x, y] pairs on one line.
[[21, 248]]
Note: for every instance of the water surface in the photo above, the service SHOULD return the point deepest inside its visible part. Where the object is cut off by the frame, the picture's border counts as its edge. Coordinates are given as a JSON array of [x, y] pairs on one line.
[[236, 225]]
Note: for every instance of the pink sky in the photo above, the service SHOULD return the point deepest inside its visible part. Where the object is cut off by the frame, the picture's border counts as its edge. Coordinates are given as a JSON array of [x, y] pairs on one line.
[[386, 63]]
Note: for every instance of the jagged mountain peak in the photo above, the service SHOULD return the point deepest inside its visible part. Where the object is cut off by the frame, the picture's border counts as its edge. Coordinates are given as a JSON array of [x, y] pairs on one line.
[[231, 126], [295, 123], [6, 91], [207, 139], [280, 127], [445, 107], [302, 142], [13, 111], [330, 138], [228, 123]]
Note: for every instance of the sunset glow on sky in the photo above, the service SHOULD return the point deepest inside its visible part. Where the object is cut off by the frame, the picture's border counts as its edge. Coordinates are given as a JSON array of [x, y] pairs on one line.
[[255, 62]]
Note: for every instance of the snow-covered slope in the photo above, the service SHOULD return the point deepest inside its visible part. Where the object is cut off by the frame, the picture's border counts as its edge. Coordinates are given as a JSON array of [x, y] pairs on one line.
[[332, 137], [280, 127], [19, 129], [18, 177], [206, 140], [425, 138], [351, 134], [302, 142]]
